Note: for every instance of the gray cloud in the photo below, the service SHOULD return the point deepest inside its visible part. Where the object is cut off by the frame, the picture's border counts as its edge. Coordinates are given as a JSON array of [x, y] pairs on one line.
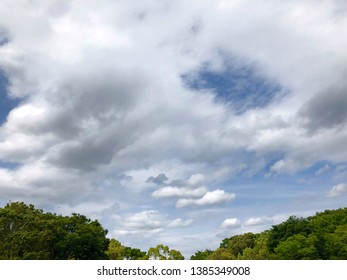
[[104, 106], [159, 180], [326, 110]]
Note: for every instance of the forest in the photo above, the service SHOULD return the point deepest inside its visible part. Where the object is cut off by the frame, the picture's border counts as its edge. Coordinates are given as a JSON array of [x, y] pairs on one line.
[[30, 233]]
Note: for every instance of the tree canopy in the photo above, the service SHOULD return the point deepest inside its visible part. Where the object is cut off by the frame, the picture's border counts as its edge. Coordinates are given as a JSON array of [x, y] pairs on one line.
[[322, 236], [29, 233]]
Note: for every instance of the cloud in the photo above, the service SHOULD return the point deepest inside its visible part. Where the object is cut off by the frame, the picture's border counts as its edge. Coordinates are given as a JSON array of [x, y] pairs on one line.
[[327, 109], [196, 180], [192, 187], [146, 223], [180, 223], [103, 104], [167, 192], [231, 223], [338, 190], [210, 198], [91, 209], [257, 221], [159, 180]]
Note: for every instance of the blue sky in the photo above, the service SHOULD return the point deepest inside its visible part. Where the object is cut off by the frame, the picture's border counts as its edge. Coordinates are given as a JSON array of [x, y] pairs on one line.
[[174, 122]]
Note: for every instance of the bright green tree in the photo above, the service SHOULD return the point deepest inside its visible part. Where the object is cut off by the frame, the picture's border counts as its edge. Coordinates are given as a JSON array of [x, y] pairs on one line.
[[116, 251], [163, 252]]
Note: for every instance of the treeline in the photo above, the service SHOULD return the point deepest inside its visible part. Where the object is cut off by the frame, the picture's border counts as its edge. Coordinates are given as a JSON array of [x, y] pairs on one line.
[[30, 233], [320, 237]]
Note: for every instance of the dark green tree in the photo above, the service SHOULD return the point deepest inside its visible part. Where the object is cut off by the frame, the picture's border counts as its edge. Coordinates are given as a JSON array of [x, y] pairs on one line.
[[201, 255], [29, 233], [134, 254]]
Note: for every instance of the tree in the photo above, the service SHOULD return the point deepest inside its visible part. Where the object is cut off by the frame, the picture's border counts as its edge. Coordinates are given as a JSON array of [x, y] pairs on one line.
[[162, 252], [29, 233], [297, 247], [134, 254], [260, 249], [238, 243], [201, 255], [221, 254], [116, 251], [335, 244], [290, 227]]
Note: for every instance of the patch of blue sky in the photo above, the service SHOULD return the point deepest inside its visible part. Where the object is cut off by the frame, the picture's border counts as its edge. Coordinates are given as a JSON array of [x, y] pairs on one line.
[[8, 165], [6, 103], [240, 86], [3, 40]]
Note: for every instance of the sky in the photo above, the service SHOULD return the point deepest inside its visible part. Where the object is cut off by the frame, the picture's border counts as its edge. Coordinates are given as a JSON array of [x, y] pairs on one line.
[[174, 122]]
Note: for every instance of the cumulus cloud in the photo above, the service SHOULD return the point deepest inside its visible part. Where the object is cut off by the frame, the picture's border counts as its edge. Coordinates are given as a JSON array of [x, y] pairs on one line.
[[210, 198], [327, 109], [191, 188], [231, 223], [196, 180], [257, 221], [146, 223], [167, 192], [338, 190], [103, 104]]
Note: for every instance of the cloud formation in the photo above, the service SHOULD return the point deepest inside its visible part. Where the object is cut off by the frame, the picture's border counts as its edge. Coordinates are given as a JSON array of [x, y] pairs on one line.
[[106, 115], [210, 198], [231, 223], [338, 190]]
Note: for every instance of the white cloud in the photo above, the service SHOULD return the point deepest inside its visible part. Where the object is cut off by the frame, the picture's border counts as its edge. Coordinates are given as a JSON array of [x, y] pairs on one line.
[[146, 223], [231, 223], [257, 221], [196, 180], [180, 223], [92, 209], [104, 101], [338, 190], [210, 198], [167, 192]]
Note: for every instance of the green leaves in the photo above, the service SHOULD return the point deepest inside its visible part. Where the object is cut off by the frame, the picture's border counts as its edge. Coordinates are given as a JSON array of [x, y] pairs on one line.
[[323, 236], [162, 252], [29, 233]]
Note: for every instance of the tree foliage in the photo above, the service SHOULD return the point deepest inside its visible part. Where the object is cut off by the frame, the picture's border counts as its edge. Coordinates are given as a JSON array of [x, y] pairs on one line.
[[322, 236], [29, 233], [163, 252]]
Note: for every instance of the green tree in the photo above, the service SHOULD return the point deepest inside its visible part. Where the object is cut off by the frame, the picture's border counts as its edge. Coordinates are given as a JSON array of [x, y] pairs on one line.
[[290, 227], [134, 254], [260, 249], [238, 243], [162, 252], [29, 233], [221, 254], [116, 251], [201, 255], [297, 247], [335, 244]]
